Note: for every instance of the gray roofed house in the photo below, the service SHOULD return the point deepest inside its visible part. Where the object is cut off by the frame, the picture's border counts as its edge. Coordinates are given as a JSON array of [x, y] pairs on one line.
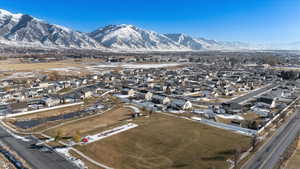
[[161, 99], [179, 104]]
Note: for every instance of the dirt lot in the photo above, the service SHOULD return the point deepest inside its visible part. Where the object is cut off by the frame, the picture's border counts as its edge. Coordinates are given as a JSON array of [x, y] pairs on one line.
[[250, 115], [165, 142], [92, 124], [35, 66], [294, 161], [86, 163]]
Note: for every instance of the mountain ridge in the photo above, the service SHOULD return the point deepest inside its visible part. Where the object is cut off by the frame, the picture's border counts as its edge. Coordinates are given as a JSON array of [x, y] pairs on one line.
[[25, 30], [131, 37]]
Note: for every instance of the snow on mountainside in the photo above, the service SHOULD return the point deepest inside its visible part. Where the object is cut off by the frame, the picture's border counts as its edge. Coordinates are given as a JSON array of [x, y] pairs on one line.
[[193, 43], [133, 38], [25, 29]]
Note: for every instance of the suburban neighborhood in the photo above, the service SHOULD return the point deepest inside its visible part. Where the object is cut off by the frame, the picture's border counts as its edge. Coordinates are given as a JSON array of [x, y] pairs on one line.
[[73, 110]]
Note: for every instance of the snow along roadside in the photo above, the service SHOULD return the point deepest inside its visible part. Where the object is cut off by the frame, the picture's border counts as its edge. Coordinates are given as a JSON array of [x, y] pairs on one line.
[[110, 132]]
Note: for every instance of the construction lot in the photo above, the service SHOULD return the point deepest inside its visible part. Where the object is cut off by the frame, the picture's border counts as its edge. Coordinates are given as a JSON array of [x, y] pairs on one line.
[[44, 120], [93, 124], [165, 142], [34, 66], [13, 122]]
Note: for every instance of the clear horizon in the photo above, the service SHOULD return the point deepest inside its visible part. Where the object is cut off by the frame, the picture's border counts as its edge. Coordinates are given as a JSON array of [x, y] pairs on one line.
[[268, 21]]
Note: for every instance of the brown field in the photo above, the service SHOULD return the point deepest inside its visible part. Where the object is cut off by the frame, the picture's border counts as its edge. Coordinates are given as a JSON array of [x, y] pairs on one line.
[[86, 162], [36, 66], [165, 142], [250, 116], [223, 120], [93, 124], [294, 161], [10, 61]]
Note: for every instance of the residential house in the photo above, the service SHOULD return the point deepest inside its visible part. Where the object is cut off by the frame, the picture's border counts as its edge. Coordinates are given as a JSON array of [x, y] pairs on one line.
[[178, 104]]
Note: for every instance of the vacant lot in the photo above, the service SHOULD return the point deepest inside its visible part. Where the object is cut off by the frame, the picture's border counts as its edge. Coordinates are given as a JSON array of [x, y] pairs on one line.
[[164, 142], [294, 161], [35, 66], [86, 162], [93, 124]]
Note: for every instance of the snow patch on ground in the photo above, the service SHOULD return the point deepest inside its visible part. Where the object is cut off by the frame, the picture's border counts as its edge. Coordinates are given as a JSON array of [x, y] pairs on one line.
[[21, 75], [16, 136], [121, 96], [237, 117], [177, 111], [236, 129], [109, 133], [66, 69], [66, 154], [135, 66], [135, 109]]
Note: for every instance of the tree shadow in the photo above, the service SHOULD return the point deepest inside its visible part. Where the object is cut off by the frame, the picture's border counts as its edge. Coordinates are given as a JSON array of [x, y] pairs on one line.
[[214, 158]]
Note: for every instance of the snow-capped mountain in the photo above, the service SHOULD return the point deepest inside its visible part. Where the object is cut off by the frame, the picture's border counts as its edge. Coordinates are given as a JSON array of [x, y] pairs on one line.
[[193, 43], [25, 29], [133, 38]]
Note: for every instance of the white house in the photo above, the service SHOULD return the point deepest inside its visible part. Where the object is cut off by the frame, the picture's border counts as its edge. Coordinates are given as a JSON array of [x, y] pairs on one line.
[[148, 96]]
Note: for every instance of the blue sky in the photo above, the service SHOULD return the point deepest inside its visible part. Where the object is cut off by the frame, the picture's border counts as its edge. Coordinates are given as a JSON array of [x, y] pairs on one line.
[[243, 20]]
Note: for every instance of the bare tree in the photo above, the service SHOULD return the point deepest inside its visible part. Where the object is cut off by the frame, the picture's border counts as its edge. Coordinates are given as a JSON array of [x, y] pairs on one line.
[[254, 142], [77, 137]]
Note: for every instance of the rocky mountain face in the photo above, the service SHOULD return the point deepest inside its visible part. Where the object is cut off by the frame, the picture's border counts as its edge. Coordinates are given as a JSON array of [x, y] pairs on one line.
[[130, 37], [193, 43], [26, 29]]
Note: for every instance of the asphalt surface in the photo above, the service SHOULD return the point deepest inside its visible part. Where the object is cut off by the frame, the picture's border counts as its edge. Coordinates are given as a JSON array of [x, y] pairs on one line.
[[252, 94], [34, 157], [35, 122], [270, 153]]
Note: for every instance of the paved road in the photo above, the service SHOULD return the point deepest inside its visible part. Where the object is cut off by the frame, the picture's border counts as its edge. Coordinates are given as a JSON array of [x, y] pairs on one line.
[[253, 93], [35, 158], [270, 153]]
